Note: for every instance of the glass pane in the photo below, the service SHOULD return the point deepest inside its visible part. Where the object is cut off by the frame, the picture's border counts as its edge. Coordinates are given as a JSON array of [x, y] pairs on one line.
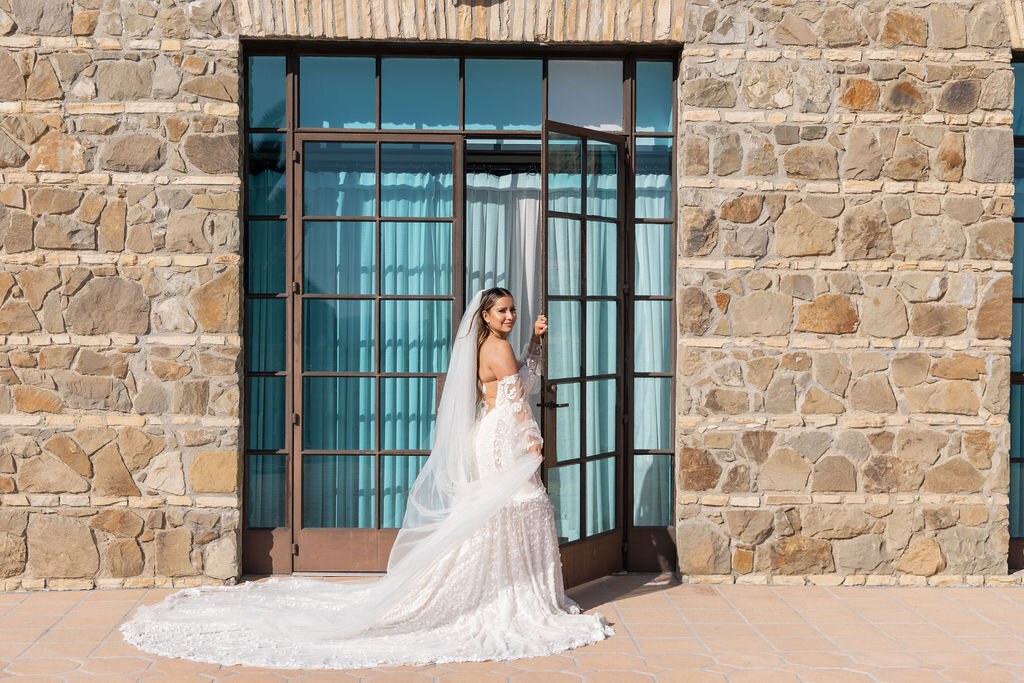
[[265, 257], [564, 339], [266, 413], [1018, 98], [1016, 499], [1018, 179], [266, 492], [266, 186], [567, 422], [601, 397], [654, 97], [1018, 255], [652, 336], [585, 93], [503, 94], [652, 419], [654, 178], [339, 413], [265, 332], [600, 496], [416, 180], [415, 336], [654, 257], [407, 413], [338, 257], [338, 335], [338, 491], [565, 173], [602, 179], [397, 474], [564, 492], [1016, 420], [1016, 469], [339, 179], [602, 336], [419, 93], [266, 88], [337, 92], [503, 184], [602, 258], [417, 258], [1017, 338], [652, 490], [563, 257]]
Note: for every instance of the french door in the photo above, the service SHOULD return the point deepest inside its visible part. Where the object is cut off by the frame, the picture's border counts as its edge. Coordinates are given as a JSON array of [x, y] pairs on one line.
[[582, 395], [377, 296]]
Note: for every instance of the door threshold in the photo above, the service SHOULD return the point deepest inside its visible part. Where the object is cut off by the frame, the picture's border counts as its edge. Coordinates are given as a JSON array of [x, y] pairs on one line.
[[338, 573]]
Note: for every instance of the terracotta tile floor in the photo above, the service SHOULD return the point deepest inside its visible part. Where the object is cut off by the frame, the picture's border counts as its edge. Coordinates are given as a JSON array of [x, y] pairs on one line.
[[665, 632]]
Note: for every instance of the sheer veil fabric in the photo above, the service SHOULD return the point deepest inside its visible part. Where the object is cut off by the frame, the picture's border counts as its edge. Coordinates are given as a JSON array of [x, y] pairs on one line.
[[474, 573]]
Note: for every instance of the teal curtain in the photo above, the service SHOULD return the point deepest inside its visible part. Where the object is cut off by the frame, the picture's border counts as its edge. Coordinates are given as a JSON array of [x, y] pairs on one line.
[[266, 353], [653, 346], [354, 413], [1016, 468]]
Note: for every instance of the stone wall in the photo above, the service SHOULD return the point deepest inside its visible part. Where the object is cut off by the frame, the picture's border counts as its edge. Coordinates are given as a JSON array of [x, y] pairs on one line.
[[843, 277], [844, 291], [119, 296]]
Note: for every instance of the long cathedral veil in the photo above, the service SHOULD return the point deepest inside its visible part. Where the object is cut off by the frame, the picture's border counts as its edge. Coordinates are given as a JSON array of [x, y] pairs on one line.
[[448, 502]]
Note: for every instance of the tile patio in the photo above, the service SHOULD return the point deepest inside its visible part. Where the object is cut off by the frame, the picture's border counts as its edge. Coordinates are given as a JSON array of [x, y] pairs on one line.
[[665, 632]]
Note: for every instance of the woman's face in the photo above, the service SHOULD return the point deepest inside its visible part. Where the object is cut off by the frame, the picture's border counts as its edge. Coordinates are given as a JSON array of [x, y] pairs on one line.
[[501, 317]]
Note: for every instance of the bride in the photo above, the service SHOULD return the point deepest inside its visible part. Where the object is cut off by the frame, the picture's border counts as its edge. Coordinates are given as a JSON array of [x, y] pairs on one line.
[[474, 573]]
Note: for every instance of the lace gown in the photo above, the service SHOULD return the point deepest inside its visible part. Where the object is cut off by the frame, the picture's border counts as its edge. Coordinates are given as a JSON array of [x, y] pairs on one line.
[[498, 595]]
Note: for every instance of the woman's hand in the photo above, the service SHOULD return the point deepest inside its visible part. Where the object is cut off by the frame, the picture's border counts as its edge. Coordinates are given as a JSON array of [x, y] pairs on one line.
[[540, 328]]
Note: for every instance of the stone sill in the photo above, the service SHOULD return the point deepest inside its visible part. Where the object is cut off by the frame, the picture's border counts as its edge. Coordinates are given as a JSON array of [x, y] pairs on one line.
[[971, 580], [26, 585]]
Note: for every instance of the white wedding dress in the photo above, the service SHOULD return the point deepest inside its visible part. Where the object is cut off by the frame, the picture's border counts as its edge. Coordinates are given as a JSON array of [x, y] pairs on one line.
[[476, 577]]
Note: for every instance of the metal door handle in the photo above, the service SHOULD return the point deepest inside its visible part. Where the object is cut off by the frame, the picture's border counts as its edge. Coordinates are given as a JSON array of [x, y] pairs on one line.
[[552, 404]]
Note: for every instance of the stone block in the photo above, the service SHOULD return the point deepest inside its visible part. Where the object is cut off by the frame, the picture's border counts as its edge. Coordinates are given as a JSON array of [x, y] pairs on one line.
[[762, 313], [123, 558], [74, 557], [800, 555], [110, 476], [48, 474], [834, 473], [696, 470], [922, 558], [12, 555], [986, 158], [214, 472], [947, 396], [221, 557], [954, 476], [750, 526], [109, 305], [174, 552], [703, 548], [802, 232], [784, 470]]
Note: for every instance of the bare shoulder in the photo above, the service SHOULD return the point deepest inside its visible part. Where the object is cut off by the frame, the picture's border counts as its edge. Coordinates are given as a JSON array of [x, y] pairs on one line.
[[495, 349], [497, 358]]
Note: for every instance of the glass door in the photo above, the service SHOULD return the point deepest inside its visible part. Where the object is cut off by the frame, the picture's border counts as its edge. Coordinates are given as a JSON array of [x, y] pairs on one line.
[[582, 397], [375, 291]]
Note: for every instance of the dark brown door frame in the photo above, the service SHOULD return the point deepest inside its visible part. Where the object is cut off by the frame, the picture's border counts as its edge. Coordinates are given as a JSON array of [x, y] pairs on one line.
[[270, 550], [351, 549], [588, 557]]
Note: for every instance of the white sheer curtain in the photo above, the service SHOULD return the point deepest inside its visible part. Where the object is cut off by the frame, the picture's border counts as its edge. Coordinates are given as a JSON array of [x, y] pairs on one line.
[[503, 241]]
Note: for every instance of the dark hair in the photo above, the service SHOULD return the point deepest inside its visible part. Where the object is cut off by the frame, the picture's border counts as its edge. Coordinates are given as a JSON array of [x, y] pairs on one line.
[[487, 301]]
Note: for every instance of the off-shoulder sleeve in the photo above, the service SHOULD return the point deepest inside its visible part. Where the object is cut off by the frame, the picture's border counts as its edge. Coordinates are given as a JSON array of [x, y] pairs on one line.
[[512, 399], [529, 371]]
